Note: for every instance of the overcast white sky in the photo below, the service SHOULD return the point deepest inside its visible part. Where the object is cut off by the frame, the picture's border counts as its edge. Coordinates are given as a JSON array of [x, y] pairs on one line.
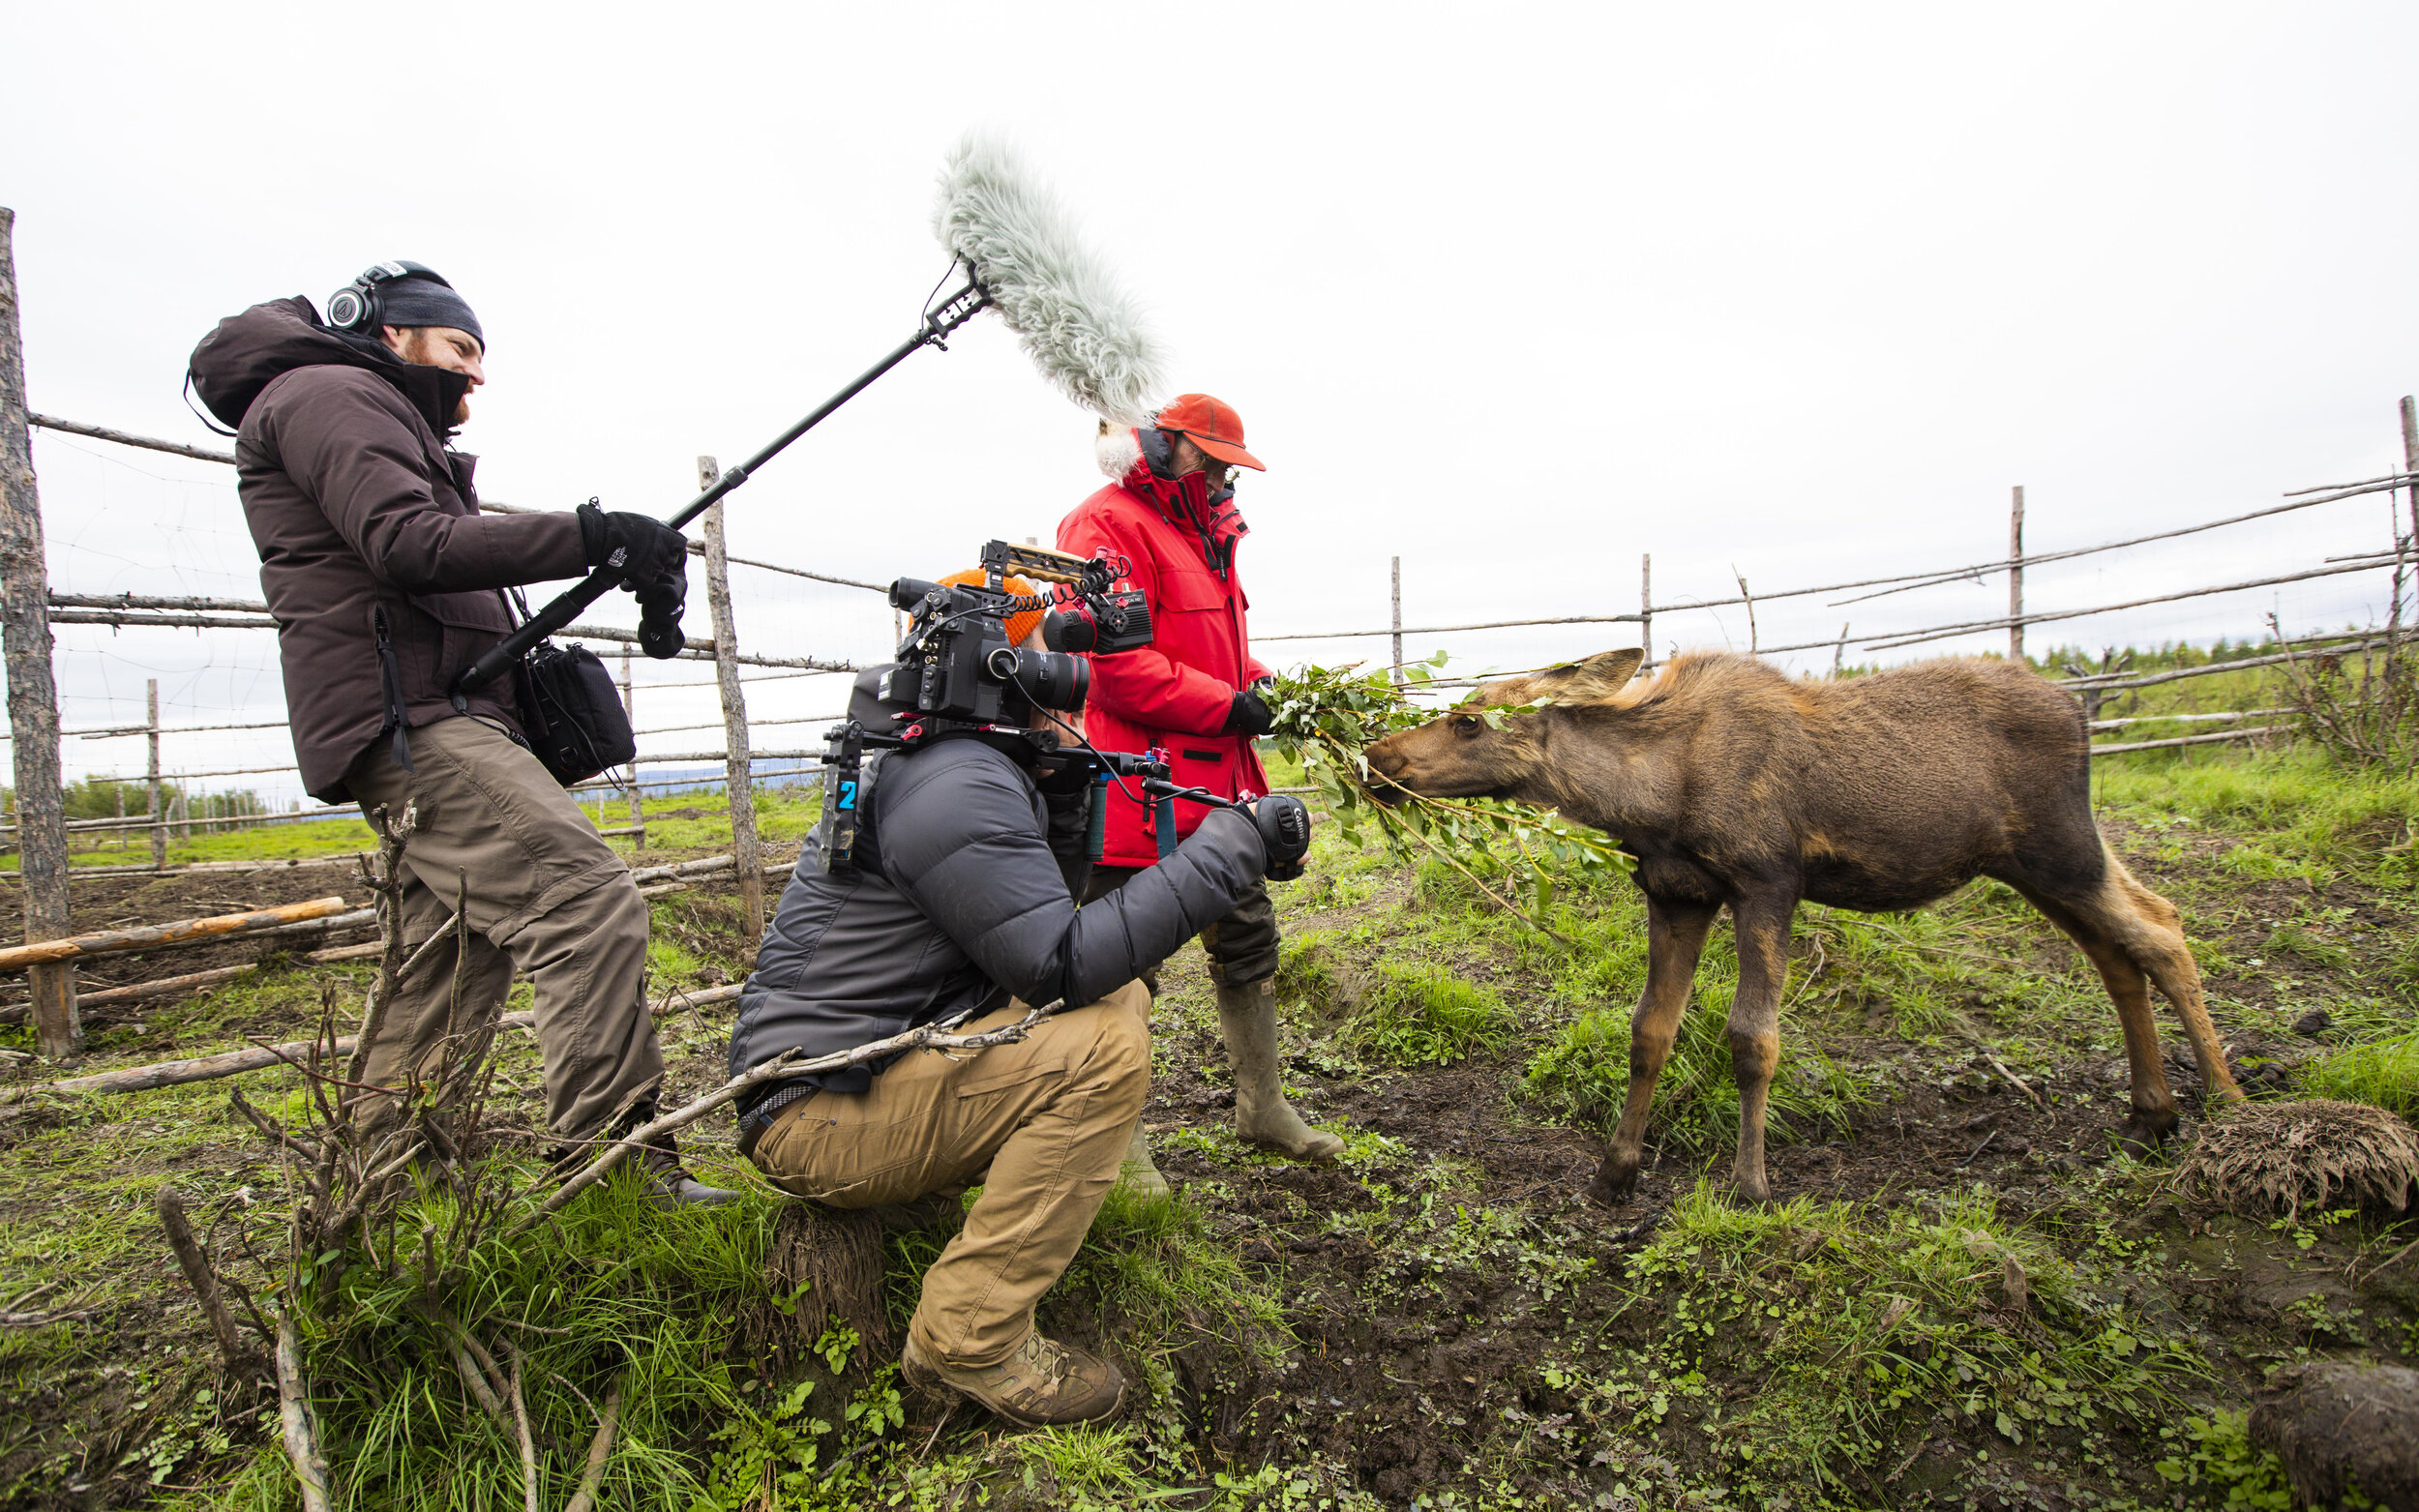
[[1517, 293]]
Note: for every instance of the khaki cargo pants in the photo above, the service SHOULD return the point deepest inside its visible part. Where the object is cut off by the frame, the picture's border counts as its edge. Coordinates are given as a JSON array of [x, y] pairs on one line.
[[547, 898], [1048, 1117]]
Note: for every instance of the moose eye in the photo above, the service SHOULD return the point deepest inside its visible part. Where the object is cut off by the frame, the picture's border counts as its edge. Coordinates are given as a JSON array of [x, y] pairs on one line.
[[1468, 724]]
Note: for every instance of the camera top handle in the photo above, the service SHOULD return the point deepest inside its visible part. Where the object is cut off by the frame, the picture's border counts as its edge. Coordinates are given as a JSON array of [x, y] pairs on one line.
[[940, 321]]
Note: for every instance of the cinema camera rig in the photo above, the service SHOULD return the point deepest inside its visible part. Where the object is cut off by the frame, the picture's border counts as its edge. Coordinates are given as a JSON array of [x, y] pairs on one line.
[[957, 671]]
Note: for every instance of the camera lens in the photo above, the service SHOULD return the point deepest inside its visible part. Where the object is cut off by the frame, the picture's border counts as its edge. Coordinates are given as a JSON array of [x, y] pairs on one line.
[[1050, 678], [1069, 627]]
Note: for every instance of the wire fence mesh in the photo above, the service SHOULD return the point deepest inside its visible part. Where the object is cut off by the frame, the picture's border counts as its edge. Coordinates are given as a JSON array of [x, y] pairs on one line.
[[154, 571]]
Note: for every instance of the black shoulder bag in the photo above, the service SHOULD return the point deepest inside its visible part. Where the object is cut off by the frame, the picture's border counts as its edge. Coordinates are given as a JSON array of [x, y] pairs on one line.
[[576, 723]]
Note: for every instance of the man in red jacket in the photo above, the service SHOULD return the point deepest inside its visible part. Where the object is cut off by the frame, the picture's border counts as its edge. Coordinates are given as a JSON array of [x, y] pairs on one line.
[[1196, 692]]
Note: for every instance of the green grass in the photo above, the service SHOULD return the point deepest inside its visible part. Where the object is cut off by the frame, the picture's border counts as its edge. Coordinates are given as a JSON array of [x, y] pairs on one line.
[[1583, 1075], [1852, 1326], [2312, 817], [613, 1291], [2382, 1071], [1413, 1014]]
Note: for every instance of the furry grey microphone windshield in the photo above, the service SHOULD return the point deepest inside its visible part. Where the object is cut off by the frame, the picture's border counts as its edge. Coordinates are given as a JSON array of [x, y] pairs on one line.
[[1083, 331]]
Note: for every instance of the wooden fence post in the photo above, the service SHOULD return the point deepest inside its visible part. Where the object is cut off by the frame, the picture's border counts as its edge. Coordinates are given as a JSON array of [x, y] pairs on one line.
[[33, 694], [151, 773], [630, 712], [1645, 606], [1398, 621], [745, 858], [2016, 576], [2410, 462]]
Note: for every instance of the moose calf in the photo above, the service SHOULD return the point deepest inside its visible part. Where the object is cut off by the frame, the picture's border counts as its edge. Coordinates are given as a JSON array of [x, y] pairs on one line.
[[1732, 783]]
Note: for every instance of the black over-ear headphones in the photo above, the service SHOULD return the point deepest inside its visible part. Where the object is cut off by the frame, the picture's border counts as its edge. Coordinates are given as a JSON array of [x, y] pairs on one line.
[[355, 306]]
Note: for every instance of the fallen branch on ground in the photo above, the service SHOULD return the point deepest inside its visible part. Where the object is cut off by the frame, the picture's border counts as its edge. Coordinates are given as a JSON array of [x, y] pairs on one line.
[[241, 1359], [15, 957], [177, 1073], [600, 1449], [295, 1423]]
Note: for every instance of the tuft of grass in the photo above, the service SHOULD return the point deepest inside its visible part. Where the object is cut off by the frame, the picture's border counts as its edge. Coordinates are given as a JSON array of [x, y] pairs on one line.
[[613, 1291], [1306, 969], [1423, 1015], [1584, 1077], [2311, 815], [1855, 1325], [2381, 1073]]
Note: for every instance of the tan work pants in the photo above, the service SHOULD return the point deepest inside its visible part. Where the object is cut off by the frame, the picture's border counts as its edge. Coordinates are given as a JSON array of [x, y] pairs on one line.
[[1048, 1117], [546, 897]]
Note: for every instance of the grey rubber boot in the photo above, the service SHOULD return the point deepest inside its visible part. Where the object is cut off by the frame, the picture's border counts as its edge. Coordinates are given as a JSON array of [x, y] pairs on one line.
[[1248, 1022], [1138, 1172], [674, 1187]]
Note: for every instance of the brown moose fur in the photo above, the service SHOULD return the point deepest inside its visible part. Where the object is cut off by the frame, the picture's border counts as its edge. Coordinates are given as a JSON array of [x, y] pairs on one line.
[[1735, 784]]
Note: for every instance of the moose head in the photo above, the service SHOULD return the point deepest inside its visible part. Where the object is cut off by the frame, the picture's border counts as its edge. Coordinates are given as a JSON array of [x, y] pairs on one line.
[[1479, 748]]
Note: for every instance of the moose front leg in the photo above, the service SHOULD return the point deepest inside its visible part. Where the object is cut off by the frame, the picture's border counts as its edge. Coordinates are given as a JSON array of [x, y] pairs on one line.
[[1675, 935], [1763, 929]]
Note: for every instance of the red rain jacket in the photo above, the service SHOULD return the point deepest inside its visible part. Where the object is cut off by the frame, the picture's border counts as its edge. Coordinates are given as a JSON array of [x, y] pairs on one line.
[[1174, 692]]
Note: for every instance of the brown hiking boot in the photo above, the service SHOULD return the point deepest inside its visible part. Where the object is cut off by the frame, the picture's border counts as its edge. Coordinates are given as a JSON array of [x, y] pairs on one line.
[[1039, 1385]]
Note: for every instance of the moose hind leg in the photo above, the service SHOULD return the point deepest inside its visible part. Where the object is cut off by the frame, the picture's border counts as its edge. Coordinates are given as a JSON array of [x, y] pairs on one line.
[[1675, 933], [2149, 929], [1763, 927], [2153, 1117]]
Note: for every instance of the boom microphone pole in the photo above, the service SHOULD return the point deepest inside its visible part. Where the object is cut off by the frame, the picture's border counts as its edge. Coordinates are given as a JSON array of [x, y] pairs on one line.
[[666, 641], [1021, 256]]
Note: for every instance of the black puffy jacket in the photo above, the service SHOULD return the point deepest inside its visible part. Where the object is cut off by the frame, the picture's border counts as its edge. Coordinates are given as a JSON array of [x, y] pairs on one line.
[[963, 908]]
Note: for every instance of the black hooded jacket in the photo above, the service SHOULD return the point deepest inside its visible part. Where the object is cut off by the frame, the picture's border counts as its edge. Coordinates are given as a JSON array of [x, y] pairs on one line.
[[963, 908], [375, 561]]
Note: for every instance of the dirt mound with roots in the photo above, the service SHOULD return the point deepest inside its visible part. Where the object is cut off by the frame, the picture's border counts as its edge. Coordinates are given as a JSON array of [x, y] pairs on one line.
[[2342, 1427], [2271, 1158]]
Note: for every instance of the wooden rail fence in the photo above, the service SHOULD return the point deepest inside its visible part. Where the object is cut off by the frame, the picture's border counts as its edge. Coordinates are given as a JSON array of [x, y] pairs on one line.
[[30, 605]]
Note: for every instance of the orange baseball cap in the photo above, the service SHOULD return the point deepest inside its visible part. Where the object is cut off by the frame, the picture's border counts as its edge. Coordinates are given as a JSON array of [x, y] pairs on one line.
[[1214, 426]]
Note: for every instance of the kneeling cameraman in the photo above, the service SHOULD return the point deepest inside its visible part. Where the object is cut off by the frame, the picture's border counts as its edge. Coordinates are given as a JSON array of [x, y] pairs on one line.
[[955, 906]]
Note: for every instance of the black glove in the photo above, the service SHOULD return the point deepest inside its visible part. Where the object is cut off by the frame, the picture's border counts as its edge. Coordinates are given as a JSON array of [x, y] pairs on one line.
[[1249, 714], [647, 548], [1284, 826], [654, 563], [661, 600]]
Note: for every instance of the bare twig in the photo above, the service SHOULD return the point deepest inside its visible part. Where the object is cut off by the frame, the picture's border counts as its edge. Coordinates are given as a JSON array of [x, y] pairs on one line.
[[480, 1391], [600, 1449], [528, 1445], [2001, 1066], [240, 1358], [296, 1421], [930, 1036], [394, 834]]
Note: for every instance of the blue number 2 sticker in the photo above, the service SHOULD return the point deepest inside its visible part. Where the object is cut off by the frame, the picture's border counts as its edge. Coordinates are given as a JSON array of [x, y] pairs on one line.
[[847, 795]]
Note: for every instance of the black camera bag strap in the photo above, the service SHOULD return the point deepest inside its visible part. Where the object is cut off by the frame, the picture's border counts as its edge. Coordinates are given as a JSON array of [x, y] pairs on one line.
[[577, 725]]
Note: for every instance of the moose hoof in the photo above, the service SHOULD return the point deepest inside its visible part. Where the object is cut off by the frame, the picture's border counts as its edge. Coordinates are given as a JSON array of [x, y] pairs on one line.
[[2145, 1133], [1614, 1180]]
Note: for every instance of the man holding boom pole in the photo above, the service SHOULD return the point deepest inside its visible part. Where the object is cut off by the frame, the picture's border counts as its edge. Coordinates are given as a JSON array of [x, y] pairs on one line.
[[385, 580]]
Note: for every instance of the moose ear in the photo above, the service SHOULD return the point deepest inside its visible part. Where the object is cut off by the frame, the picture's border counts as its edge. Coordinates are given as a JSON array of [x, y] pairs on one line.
[[1594, 680]]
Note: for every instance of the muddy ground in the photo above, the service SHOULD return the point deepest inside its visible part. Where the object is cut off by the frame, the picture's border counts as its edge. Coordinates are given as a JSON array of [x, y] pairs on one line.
[[1456, 1326]]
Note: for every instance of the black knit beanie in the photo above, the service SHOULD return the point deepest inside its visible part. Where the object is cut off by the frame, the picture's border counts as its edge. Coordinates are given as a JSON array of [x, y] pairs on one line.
[[416, 301]]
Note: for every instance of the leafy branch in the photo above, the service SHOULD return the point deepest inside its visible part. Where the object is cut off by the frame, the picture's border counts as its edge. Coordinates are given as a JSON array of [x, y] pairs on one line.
[[1328, 717]]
